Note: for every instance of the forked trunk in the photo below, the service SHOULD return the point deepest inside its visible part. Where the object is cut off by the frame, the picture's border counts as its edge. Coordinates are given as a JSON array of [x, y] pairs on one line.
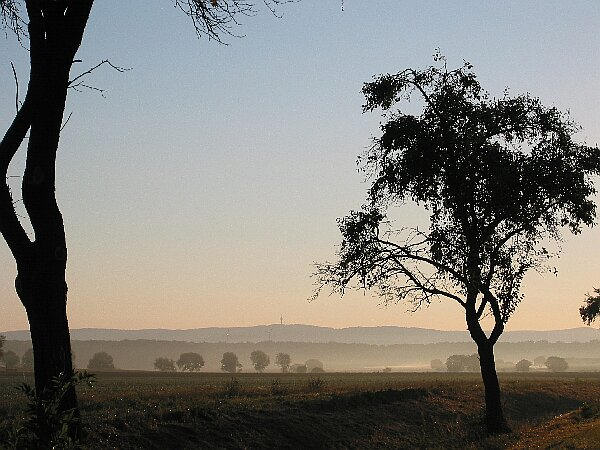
[[494, 417]]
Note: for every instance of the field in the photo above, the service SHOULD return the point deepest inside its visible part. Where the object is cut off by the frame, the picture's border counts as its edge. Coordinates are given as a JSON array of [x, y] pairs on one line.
[[341, 410]]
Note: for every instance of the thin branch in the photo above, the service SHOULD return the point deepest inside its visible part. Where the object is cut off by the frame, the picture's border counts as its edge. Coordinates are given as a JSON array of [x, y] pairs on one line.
[[16, 85]]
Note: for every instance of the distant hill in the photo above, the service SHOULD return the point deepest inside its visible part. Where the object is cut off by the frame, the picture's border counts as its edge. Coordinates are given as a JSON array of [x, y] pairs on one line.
[[309, 333]]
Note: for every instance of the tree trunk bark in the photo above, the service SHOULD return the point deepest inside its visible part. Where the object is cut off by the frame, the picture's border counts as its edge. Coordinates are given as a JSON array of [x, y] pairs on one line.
[[44, 295], [494, 417]]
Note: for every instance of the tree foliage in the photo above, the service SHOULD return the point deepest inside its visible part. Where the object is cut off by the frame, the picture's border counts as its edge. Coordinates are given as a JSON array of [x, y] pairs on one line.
[[497, 176], [556, 364], [591, 308], [462, 363], [164, 364], [260, 360], [523, 365], [230, 362], [190, 361], [283, 360], [101, 361]]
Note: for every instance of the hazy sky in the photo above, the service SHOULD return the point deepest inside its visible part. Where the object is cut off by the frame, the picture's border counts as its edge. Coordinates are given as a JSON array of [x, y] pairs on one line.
[[201, 189]]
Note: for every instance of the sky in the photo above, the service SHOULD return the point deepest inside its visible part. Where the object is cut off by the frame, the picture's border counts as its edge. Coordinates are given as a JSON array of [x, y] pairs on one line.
[[199, 190]]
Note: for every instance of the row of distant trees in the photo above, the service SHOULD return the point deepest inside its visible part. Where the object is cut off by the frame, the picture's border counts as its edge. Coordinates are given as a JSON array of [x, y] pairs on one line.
[[471, 363], [192, 362], [230, 363]]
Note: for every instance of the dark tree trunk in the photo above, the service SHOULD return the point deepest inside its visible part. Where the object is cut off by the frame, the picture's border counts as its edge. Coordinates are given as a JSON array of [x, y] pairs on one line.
[[494, 417], [44, 294], [55, 33]]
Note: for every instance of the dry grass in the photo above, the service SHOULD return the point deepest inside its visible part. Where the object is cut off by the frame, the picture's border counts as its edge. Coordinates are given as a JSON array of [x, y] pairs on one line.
[[344, 410]]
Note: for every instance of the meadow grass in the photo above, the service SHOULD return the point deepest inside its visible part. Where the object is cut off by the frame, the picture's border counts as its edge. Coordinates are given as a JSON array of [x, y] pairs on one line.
[[341, 410]]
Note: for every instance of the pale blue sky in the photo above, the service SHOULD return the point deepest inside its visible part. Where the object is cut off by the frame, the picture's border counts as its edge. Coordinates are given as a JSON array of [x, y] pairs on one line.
[[199, 191]]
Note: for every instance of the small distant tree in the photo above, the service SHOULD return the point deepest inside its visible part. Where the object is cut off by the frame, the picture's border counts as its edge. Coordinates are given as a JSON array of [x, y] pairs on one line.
[[260, 360], [556, 364], [230, 363], [283, 360], [312, 363], [27, 359], [539, 361], [2, 339], [11, 360], [164, 364], [591, 307], [101, 361], [523, 365], [190, 361], [498, 177], [455, 363]]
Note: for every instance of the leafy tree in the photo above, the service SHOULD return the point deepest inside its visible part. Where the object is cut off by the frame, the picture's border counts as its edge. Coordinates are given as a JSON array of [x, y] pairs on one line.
[[11, 360], [190, 361], [498, 176], [230, 362], [591, 307], [260, 360], [283, 360], [2, 339], [55, 29], [27, 359], [164, 364], [556, 364], [523, 365], [100, 361], [461, 363]]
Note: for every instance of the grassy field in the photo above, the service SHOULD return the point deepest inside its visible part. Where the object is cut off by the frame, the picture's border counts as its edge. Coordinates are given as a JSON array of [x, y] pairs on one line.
[[341, 410]]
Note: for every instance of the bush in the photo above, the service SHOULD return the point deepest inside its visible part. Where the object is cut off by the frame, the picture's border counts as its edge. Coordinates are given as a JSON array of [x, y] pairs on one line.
[[45, 424]]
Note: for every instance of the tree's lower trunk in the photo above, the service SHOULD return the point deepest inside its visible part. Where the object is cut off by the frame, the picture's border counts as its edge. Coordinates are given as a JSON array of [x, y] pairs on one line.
[[45, 298], [494, 417]]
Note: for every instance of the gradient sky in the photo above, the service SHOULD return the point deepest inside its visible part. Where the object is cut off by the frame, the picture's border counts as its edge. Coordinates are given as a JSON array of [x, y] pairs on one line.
[[201, 189]]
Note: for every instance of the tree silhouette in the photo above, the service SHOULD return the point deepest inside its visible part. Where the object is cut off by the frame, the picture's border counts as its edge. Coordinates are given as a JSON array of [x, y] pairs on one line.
[[99, 361], [54, 29], [190, 361], [260, 360], [556, 364], [497, 176], [283, 360], [164, 364], [230, 362], [591, 308], [523, 365]]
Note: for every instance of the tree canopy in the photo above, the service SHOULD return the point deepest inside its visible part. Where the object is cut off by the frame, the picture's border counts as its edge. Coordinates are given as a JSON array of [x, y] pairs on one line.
[[190, 361], [230, 362], [498, 176], [164, 364], [260, 360], [101, 361]]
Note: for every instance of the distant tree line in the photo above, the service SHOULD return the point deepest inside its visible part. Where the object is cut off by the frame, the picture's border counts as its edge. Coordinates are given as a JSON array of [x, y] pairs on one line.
[[470, 363]]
